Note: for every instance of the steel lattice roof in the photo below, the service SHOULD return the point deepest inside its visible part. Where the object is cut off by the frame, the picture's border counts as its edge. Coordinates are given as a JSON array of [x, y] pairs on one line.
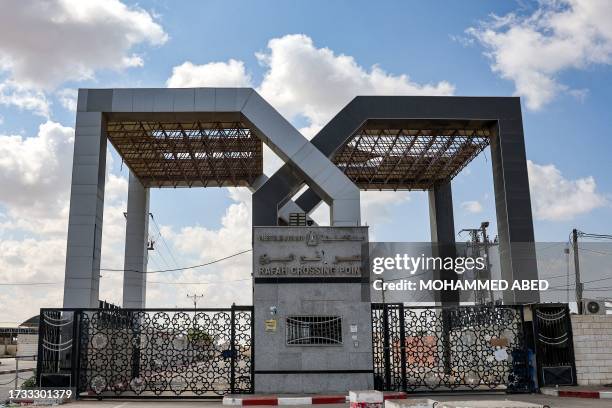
[[410, 155], [188, 153]]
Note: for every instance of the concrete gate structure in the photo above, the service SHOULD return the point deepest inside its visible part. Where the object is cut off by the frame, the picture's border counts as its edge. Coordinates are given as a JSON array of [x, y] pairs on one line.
[[307, 280]]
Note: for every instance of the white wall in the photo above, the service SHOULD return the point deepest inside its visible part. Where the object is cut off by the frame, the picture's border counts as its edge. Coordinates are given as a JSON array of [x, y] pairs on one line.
[[27, 345], [593, 348]]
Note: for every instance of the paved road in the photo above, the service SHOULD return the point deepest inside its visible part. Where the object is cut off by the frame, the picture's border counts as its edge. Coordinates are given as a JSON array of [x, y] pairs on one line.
[[7, 382], [7, 364], [552, 402]]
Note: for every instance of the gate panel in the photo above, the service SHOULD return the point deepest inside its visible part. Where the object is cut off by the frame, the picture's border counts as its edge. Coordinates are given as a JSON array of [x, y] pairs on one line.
[[159, 353], [426, 349], [552, 328], [55, 361]]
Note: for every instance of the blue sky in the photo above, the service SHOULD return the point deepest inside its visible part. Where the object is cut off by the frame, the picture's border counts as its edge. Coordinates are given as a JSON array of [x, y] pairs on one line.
[[565, 98]]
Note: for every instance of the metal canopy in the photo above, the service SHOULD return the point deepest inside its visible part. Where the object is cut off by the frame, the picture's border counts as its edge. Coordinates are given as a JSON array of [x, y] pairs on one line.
[[188, 153], [410, 154]]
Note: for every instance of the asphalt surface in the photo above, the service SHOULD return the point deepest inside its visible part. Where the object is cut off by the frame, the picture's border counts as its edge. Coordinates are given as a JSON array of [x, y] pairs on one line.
[[552, 402]]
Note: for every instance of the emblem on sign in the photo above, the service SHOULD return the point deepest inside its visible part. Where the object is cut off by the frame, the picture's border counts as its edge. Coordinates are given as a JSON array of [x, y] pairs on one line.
[[312, 239]]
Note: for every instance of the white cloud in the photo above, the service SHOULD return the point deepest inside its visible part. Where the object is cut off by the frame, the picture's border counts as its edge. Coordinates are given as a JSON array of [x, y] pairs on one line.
[[68, 98], [24, 98], [555, 198], [35, 172], [533, 49], [214, 74], [43, 44], [473, 207], [303, 80]]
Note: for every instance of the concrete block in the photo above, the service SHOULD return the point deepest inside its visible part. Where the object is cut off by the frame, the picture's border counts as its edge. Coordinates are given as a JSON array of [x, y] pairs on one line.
[[489, 404], [369, 396], [410, 403]]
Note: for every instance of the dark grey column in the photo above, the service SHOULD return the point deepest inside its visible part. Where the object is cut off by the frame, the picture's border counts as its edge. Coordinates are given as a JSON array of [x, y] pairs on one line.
[[82, 278], [442, 223], [513, 206]]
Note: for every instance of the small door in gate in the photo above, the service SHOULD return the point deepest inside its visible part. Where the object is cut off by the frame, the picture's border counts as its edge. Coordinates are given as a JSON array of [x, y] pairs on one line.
[[552, 329]]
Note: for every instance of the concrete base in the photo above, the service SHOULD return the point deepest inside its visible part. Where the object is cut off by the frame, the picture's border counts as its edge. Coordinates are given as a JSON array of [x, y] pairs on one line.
[[282, 368], [311, 383]]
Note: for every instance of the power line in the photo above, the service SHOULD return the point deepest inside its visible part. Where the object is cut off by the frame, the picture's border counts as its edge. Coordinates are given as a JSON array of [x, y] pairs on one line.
[[163, 240], [589, 281], [199, 283], [597, 252], [179, 269], [154, 282], [133, 270], [162, 258]]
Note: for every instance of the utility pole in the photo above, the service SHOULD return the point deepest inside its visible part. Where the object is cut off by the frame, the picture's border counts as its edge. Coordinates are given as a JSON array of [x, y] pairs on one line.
[[485, 239], [195, 299], [476, 244], [577, 270]]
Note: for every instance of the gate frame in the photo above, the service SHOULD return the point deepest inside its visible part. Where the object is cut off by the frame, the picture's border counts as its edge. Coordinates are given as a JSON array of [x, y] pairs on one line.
[[387, 355], [76, 349], [570, 334]]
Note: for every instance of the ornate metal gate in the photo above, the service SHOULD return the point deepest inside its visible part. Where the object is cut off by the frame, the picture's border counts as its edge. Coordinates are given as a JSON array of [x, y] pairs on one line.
[[427, 349], [154, 353], [554, 344]]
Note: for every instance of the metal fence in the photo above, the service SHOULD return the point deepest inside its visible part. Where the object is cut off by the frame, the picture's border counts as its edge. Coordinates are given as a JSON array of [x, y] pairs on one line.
[[428, 349], [147, 353]]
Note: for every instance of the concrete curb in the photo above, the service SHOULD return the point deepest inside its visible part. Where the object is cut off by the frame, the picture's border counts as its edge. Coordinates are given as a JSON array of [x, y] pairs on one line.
[[576, 393], [272, 400]]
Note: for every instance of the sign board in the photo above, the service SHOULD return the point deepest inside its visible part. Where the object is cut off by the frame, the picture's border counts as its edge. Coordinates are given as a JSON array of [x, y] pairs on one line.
[[270, 325], [307, 252]]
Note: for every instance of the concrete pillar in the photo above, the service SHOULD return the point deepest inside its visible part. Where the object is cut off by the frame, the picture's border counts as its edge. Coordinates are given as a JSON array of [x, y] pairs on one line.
[[513, 207], [442, 225], [82, 276], [136, 252]]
